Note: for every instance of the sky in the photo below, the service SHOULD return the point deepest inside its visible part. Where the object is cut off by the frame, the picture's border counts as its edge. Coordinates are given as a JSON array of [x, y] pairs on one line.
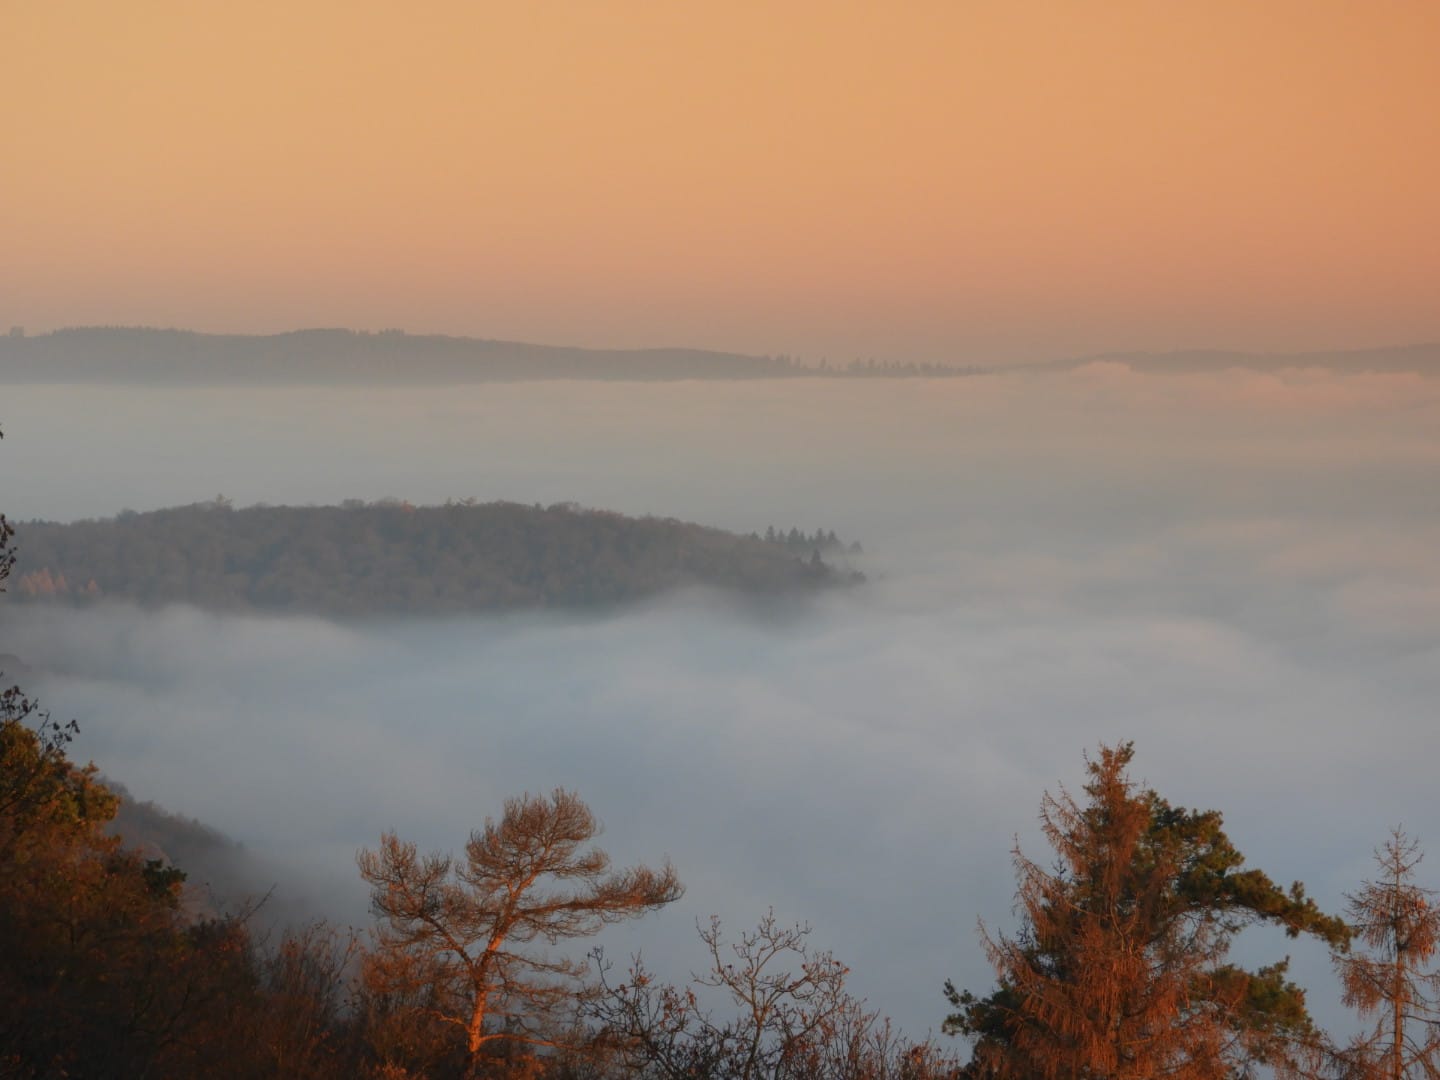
[[951, 182], [1234, 568]]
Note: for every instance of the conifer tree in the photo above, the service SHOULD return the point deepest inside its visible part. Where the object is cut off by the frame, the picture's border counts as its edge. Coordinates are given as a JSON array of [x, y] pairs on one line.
[[1390, 976], [468, 938], [1118, 971]]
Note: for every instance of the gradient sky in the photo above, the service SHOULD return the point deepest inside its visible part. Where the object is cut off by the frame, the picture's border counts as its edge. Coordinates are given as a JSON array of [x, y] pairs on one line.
[[952, 181]]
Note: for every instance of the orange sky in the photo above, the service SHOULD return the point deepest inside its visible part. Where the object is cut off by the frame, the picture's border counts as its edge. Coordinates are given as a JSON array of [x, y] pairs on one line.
[[949, 181]]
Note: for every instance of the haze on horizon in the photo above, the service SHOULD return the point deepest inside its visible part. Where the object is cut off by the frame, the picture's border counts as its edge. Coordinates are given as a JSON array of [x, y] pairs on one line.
[[1233, 566], [943, 182]]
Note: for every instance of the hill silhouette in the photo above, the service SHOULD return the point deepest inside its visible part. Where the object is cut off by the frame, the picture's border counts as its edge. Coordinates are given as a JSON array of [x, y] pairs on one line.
[[366, 559], [148, 356]]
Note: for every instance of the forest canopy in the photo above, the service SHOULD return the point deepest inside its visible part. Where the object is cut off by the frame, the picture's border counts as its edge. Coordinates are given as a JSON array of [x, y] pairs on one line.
[[389, 557]]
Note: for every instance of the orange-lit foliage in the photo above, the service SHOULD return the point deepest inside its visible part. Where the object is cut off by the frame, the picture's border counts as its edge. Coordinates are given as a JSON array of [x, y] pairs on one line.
[[1391, 976], [1118, 970], [100, 972], [459, 946]]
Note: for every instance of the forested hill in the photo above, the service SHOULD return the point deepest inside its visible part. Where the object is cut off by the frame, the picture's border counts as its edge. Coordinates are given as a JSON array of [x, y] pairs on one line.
[[310, 357], [144, 356], [385, 558]]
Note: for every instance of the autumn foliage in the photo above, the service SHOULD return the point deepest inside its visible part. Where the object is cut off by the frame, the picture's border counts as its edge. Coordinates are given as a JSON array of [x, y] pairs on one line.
[[1119, 968], [466, 942]]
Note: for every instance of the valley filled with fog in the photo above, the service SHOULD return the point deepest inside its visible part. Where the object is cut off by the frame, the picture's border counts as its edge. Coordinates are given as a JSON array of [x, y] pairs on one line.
[[1237, 570]]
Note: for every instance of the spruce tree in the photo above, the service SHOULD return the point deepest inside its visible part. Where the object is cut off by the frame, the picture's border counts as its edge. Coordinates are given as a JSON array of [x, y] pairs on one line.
[[1118, 970]]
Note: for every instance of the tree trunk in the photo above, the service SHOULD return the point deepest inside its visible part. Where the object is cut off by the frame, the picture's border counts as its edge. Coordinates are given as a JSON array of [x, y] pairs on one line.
[[1397, 1049], [475, 1033]]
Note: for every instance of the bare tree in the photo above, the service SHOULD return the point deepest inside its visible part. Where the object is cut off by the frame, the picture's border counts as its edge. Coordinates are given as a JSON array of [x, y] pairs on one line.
[[1389, 977], [789, 1017], [465, 941], [301, 1010]]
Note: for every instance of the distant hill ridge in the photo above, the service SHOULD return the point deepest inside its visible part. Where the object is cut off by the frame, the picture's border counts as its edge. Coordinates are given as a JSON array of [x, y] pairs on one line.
[[162, 357], [1422, 359], [389, 558], [324, 356]]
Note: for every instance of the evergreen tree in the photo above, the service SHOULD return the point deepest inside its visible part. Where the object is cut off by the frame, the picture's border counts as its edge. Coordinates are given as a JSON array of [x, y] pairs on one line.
[[1118, 971], [461, 943]]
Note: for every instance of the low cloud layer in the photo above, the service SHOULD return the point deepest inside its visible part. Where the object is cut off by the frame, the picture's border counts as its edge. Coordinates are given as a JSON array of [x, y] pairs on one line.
[[1247, 590]]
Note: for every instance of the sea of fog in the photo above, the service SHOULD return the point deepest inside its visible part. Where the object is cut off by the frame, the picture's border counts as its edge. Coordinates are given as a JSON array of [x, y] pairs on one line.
[[1237, 571]]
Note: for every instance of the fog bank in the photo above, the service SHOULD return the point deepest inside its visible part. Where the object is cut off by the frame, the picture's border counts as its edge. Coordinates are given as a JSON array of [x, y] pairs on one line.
[[1235, 571]]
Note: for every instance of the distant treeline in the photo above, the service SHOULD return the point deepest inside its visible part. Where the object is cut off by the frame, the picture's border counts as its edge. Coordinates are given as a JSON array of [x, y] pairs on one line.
[[825, 542], [326, 356], [160, 357], [390, 557]]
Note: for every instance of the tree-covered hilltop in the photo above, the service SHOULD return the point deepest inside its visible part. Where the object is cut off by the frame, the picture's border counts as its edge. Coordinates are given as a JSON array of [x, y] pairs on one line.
[[143, 355], [390, 557]]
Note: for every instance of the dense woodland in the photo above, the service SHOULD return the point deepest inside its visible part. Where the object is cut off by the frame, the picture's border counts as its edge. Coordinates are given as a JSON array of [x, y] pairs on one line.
[[392, 357], [392, 558]]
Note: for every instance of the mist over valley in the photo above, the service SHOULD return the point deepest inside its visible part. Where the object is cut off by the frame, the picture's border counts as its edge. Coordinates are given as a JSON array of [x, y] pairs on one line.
[[702, 541], [1235, 569]]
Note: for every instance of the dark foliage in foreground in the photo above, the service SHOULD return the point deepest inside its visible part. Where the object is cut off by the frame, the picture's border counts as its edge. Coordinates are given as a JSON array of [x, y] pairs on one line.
[[106, 971]]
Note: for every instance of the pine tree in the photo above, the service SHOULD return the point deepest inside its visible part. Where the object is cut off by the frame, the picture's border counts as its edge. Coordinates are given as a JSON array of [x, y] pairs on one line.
[[465, 937], [1118, 971]]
